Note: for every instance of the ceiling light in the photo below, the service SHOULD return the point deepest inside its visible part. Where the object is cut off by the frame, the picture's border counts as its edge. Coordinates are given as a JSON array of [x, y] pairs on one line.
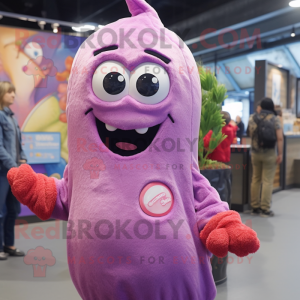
[[295, 3], [1, 17], [293, 33], [42, 24], [31, 20], [54, 26], [83, 28], [279, 66], [22, 18]]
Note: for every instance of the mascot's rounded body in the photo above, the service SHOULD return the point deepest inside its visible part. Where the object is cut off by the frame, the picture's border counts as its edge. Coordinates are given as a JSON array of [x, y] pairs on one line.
[[132, 191], [158, 257]]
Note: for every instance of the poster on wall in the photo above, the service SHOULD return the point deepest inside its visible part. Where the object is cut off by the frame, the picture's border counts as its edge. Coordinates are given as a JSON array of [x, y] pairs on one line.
[[41, 147], [38, 63], [276, 89]]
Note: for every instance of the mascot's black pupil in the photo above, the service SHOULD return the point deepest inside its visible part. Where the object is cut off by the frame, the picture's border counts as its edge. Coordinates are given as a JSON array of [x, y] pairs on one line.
[[114, 83], [147, 85]]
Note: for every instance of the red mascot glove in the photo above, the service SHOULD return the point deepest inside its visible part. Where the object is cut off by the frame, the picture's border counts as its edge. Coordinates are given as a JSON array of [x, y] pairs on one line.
[[36, 191], [226, 232]]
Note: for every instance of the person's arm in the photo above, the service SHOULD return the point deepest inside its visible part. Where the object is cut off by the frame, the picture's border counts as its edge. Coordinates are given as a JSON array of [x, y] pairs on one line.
[[251, 125], [248, 131], [230, 132], [279, 135], [5, 158], [23, 158]]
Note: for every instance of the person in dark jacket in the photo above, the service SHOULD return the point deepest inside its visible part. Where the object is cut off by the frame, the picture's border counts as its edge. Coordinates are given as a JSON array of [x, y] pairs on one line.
[[11, 155], [241, 128]]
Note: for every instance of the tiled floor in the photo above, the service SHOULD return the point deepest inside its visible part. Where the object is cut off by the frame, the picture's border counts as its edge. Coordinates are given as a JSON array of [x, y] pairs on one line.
[[269, 274], [16, 278], [272, 273]]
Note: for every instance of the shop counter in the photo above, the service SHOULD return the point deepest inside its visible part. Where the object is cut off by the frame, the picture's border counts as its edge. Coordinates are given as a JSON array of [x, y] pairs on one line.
[[291, 157], [240, 163], [241, 166]]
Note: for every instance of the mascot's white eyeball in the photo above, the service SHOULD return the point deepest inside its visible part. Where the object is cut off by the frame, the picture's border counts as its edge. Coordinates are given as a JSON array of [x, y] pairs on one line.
[[111, 81], [149, 83]]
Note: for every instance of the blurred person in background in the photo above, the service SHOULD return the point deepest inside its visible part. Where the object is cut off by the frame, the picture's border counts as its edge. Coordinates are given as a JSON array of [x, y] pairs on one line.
[[265, 131], [223, 152], [11, 155], [241, 128]]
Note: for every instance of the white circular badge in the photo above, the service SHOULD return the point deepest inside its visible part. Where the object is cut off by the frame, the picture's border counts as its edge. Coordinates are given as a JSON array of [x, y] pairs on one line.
[[156, 199]]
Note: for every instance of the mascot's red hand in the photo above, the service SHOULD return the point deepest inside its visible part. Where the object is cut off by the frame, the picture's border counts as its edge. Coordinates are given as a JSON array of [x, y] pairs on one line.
[[226, 232], [36, 191]]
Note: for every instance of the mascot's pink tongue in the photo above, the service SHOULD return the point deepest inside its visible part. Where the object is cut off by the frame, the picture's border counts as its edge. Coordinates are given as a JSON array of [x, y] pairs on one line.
[[126, 146]]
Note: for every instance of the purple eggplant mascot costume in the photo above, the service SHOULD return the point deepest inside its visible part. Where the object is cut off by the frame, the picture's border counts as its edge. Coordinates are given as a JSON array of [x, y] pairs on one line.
[[143, 221]]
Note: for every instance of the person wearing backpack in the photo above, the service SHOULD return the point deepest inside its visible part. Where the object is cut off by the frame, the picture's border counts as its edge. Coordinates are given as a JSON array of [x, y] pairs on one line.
[[266, 132]]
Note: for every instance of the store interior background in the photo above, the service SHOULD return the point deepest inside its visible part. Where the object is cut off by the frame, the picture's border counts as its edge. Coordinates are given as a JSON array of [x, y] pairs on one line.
[[226, 36], [252, 46]]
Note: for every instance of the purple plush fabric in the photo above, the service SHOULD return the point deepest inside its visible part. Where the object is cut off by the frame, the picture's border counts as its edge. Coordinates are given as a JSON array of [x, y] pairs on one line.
[[116, 251]]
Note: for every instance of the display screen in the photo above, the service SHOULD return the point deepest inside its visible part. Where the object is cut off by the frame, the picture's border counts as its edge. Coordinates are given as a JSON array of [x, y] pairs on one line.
[[41, 147]]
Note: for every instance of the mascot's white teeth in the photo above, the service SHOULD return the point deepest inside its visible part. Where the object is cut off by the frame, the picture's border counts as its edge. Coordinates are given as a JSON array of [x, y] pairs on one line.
[[141, 130], [110, 128]]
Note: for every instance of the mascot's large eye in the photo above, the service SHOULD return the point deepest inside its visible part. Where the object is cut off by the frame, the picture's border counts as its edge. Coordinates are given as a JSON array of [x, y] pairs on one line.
[[149, 83], [111, 81]]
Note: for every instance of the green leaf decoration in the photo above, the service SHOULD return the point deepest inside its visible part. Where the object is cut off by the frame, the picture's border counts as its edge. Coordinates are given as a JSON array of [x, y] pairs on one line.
[[213, 95]]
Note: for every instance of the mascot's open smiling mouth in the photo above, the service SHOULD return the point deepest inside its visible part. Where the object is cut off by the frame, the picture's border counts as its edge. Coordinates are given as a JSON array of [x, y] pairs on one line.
[[126, 142]]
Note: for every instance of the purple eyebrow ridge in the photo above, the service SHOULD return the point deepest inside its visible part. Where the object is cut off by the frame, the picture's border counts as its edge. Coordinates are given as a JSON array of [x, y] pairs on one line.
[[109, 48], [158, 55]]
